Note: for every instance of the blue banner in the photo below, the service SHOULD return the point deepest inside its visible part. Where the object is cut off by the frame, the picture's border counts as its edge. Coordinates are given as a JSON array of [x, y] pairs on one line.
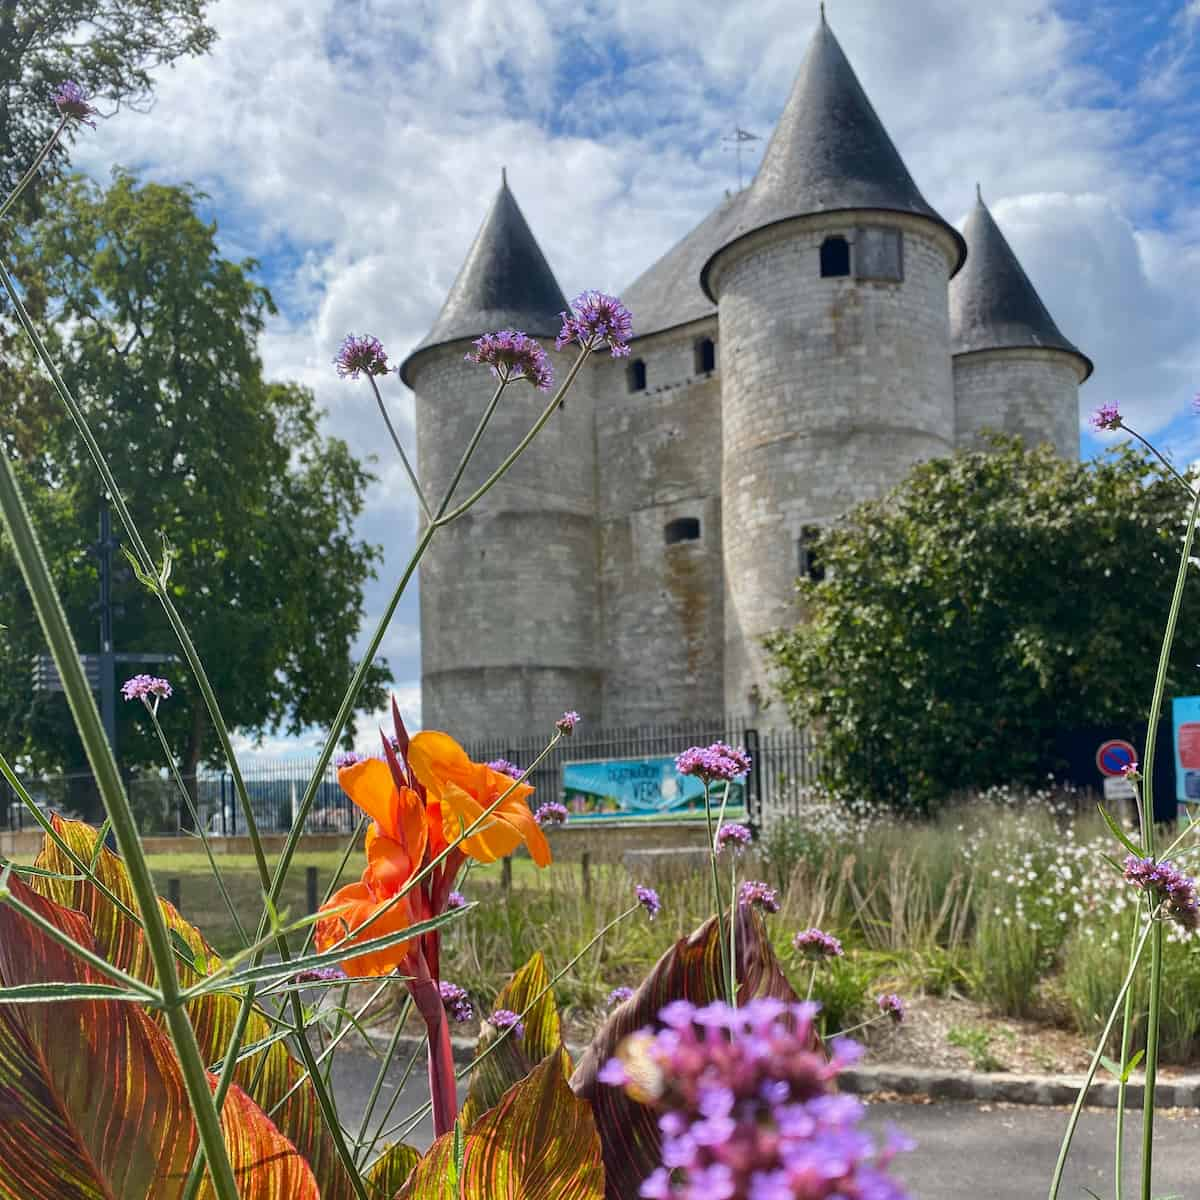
[[1185, 713], [640, 787]]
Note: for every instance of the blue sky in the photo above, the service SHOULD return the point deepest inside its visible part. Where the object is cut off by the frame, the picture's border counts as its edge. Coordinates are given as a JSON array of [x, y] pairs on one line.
[[352, 146]]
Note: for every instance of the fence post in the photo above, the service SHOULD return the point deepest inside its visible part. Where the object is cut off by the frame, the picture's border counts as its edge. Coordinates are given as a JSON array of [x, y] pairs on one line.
[[585, 870], [506, 875], [174, 890], [311, 899], [754, 783]]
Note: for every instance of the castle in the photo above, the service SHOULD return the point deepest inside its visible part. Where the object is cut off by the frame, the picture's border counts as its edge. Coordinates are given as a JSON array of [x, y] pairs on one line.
[[798, 352]]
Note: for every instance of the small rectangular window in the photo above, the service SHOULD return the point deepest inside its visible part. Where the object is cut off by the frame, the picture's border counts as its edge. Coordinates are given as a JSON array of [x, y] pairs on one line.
[[808, 548], [706, 356], [879, 254], [682, 529], [636, 375]]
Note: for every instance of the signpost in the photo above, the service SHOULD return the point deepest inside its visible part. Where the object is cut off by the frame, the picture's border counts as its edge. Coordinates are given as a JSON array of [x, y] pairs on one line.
[[1185, 717], [1112, 759]]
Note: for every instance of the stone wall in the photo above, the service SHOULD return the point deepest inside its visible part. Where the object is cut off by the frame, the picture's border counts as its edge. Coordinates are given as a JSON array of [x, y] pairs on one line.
[[658, 456], [1027, 391], [832, 389], [508, 595]]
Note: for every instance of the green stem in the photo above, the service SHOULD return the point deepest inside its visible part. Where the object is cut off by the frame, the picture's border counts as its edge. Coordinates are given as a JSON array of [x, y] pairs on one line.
[[412, 475], [33, 170], [470, 450], [1061, 1165], [108, 778], [381, 1075], [733, 982], [730, 996], [812, 982], [369, 1149], [1122, 1083], [1187, 487], [187, 799]]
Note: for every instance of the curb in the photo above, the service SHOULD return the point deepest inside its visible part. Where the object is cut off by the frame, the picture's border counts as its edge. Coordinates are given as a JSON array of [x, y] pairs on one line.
[[1002, 1086]]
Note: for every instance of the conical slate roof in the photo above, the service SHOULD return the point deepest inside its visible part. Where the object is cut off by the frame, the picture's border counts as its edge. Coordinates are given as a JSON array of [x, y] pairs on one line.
[[505, 283], [668, 293], [830, 152], [993, 305]]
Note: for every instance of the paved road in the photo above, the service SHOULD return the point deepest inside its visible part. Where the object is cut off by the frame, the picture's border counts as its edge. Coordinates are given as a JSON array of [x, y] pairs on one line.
[[965, 1151]]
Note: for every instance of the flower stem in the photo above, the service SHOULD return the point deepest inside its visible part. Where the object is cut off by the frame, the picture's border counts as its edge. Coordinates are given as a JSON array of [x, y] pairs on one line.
[[412, 475], [726, 969], [381, 1074], [87, 721], [33, 170], [443, 1088], [470, 450], [1187, 487], [1122, 1083]]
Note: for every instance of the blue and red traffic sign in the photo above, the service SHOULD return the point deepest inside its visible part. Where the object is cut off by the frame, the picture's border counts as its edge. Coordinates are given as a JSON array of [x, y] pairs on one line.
[[1114, 756]]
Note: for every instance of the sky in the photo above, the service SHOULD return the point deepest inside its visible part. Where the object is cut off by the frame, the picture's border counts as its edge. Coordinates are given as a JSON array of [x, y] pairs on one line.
[[353, 146]]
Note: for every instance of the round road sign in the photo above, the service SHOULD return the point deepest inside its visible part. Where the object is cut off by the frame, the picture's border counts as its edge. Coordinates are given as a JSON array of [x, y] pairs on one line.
[[1114, 756]]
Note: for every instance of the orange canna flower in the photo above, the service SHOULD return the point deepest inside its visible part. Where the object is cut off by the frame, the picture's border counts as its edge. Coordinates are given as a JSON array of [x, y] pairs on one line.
[[464, 789]]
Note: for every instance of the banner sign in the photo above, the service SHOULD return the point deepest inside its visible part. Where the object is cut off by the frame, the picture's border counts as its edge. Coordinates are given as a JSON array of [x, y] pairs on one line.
[[1185, 712], [641, 787]]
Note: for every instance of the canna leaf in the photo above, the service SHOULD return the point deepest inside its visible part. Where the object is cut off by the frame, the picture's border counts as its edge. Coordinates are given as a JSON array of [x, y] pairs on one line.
[[515, 1057], [390, 1170], [91, 1095], [690, 970], [539, 1143], [123, 943]]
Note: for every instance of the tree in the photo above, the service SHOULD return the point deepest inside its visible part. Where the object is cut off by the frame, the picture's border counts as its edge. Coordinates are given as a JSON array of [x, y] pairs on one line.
[[991, 600], [156, 332], [109, 47]]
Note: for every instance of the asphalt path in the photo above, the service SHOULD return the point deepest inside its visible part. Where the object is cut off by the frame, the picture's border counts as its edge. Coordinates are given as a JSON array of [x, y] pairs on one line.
[[964, 1150]]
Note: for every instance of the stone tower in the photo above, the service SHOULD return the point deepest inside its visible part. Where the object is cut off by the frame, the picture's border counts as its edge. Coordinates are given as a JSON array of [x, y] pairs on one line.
[[508, 595], [831, 290], [1013, 370]]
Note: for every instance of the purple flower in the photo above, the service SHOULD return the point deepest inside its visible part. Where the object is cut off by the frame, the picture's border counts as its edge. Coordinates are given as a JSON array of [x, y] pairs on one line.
[[756, 893], [648, 899], [817, 945], [143, 687], [551, 813], [745, 1108], [618, 996], [505, 1018], [718, 761], [513, 355], [1107, 416], [1130, 770], [319, 975], [72, 103], [567, 722], [456, 1001], [735, 837], [891, 1004], [1168, 886], [504, 767], [364, 354], [594, 320], [347, 759], [456, 900]]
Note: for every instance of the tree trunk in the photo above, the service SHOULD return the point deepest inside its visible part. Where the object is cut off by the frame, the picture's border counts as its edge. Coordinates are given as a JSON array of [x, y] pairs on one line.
[[191, 763]]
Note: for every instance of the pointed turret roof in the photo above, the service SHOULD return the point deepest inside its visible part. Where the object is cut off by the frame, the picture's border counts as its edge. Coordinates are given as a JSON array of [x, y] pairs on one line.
[[830, 152], [505, 283], [993, 304]]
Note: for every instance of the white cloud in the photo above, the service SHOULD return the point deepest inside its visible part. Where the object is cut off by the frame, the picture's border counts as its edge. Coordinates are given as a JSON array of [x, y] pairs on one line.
[[353, 145]]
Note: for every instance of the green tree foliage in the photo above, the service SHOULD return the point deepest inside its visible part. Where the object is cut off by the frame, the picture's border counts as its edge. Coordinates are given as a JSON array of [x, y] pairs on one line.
[[157, 334], [109, 47], [992, 599]]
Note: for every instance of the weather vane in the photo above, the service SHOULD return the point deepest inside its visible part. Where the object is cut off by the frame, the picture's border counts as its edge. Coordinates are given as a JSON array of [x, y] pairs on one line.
[[737, 139]]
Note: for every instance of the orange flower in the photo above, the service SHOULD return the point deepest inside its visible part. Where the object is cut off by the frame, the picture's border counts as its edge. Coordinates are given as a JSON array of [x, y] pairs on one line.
[[464, 789]]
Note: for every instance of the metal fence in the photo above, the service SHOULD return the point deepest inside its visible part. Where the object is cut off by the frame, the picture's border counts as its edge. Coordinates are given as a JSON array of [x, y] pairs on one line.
[[787, 764]]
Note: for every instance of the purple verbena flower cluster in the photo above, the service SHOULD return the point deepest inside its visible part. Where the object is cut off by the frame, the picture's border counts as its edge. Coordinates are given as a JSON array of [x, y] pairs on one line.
[[745, 1108], [1107, 416], [595, 320], [756, 893], [361, 354], [891, 1004], [567, 722], [732, 837], [319, 975], [347, 759], [618, 996], [505, 1018], [145, 688], [648, 899], [1168, 886], [72, 103], [511, 356], [817, 945], [551, 813], [504, 767], [456, 1001], [456, 900], [718, 761]]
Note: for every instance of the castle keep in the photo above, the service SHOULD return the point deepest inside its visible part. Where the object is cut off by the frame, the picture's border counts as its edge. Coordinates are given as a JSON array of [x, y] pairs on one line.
[[798, 352]]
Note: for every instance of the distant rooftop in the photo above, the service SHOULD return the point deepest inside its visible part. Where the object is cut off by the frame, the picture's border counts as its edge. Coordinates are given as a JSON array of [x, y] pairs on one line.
[[993, 304], [505, 283]]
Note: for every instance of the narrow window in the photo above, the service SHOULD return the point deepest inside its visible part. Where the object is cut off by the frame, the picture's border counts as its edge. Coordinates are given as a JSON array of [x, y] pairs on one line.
[[835, 257], [879, 254], [636, 375], [682, 529], [811, 566], [706, 356]]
